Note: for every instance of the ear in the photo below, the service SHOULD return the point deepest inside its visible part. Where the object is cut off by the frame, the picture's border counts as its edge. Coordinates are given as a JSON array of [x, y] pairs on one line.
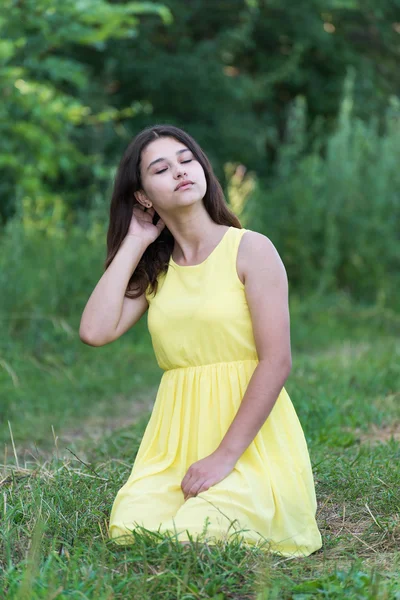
[[141, 197]]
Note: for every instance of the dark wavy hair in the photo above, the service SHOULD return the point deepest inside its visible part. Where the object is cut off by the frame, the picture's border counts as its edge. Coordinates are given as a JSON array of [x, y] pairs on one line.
[[127, 181]]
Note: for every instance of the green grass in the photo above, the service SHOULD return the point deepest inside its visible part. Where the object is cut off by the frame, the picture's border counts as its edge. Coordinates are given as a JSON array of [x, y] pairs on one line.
[[52, 379], [77, 415]]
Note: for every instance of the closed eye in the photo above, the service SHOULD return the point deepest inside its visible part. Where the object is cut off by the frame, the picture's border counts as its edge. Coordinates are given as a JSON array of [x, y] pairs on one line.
[[184, 161]]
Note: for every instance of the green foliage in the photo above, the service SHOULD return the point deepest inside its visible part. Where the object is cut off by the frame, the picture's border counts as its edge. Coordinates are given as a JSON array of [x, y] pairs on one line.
[[230, 74], [46, 106], [334, 211], [327, 181], [354, 583], [80, 78]]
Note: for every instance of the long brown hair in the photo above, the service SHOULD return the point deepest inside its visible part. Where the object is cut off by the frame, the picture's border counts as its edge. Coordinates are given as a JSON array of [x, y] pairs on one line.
[[156, 256]]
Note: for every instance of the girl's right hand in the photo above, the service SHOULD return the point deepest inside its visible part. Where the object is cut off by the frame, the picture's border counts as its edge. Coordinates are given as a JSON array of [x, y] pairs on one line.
[[142, 226]]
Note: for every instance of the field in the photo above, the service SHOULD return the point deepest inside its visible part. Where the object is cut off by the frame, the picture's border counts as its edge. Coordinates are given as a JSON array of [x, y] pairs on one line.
[[75, 416]]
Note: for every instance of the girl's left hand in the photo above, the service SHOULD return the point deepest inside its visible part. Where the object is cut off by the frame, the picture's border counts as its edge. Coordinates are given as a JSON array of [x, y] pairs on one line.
[[205, 473]]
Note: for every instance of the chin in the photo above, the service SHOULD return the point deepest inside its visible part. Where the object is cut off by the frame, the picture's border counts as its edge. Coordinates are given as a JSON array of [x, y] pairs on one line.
[[189, 201]]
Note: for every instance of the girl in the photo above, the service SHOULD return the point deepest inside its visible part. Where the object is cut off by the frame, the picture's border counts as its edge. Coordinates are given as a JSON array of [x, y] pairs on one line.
[[223, 453]]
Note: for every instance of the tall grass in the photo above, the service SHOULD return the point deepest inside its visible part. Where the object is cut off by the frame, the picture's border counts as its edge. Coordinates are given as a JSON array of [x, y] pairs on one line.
[[46, 279], [333, 209]]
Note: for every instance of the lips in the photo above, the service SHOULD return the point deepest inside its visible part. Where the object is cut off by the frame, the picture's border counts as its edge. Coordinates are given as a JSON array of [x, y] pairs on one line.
[[182, 183]]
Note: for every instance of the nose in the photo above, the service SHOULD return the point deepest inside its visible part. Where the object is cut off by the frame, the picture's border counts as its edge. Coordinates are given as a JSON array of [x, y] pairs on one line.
[[179, 170]]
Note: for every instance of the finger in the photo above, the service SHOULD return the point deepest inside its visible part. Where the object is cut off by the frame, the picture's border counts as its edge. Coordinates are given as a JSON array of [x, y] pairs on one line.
[[160, 224], [184, 484], [195, 487], [188, 475], [206, 486], [144, 213]]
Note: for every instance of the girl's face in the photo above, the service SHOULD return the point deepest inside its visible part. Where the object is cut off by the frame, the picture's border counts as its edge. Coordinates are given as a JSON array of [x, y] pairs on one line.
[[165, 163]]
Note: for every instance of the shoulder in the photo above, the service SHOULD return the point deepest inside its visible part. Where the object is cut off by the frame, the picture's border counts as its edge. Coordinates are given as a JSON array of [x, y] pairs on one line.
[[252, 241], [257, 253]]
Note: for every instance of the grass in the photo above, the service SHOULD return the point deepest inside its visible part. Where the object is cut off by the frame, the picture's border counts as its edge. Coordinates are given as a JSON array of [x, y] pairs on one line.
[[72, 422]]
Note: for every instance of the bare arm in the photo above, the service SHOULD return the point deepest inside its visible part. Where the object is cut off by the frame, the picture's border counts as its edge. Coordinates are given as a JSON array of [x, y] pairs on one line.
[[108, 313], [266, 289]]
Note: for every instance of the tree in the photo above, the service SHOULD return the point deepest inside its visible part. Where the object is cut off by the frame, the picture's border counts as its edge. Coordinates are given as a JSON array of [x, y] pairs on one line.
[[51, 99]]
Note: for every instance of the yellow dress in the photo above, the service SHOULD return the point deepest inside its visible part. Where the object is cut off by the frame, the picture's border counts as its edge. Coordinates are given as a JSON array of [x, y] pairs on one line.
[[201, 331]]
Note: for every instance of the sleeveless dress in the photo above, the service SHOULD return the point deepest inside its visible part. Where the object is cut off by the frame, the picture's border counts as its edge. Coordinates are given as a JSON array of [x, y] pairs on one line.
[[202, 336]]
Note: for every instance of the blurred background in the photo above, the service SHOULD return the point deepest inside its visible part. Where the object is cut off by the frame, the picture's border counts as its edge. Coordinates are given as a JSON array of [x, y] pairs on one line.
[[297, 104]]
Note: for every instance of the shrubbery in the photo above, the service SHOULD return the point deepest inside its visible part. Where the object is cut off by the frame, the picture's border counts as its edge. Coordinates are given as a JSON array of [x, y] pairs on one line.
[[333, 211]]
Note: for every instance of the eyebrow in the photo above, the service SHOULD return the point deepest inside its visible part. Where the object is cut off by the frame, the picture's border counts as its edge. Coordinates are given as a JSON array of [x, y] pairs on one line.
[[160, 159]]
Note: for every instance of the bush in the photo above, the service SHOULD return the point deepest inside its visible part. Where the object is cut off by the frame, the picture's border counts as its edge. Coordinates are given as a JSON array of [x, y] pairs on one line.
[[333, 210]]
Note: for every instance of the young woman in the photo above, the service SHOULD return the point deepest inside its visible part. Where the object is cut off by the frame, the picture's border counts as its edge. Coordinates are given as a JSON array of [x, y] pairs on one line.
[[223, 453]]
